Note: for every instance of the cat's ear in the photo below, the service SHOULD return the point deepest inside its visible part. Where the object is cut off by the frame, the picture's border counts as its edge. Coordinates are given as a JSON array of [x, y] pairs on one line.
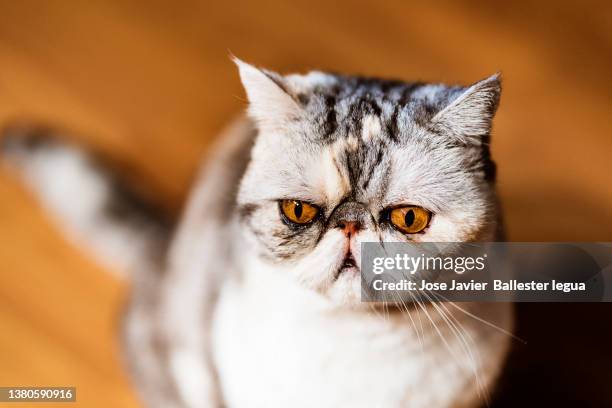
[[468, 118], [270, 101]]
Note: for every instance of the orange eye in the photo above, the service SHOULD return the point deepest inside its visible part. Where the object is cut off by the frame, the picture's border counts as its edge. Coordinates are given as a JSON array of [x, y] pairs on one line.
[[298, 212], [410, 219]]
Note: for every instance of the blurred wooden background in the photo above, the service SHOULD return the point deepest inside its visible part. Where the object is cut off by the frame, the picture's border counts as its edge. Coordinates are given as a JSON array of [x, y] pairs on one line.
[[151, 84]]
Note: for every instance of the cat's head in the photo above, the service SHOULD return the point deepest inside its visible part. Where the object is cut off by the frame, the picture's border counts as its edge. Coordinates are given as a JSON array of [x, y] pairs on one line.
[[342, 160]]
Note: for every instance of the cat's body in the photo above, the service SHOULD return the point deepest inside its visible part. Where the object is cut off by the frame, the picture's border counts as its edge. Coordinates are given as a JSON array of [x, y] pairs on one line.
[[280, 350], [251, 309]]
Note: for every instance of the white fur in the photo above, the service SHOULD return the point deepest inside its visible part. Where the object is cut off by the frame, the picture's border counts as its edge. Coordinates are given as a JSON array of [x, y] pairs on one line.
[[277, 345]]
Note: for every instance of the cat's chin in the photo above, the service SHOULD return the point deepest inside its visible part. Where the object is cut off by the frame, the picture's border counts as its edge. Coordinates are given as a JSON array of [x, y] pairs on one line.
[[345, 291]]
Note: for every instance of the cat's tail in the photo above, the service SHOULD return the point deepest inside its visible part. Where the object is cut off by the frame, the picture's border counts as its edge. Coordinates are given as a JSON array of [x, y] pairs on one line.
[[94, 208]]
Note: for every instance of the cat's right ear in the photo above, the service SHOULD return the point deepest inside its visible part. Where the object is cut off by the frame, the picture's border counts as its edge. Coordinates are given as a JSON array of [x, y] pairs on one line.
[[468, 118], [270, 101]]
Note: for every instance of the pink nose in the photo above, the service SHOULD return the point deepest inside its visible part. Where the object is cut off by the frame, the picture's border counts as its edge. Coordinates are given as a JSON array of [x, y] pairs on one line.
[[348, 227]]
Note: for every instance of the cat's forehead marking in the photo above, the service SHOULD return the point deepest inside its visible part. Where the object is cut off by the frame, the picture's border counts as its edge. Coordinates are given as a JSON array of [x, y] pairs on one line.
[[361, 122], [365, 108], [351, 143], [336, 181], [353, 169], [370, 128]]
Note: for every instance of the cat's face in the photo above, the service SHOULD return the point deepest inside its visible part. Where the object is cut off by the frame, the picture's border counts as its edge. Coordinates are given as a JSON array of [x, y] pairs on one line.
[[339, 161]]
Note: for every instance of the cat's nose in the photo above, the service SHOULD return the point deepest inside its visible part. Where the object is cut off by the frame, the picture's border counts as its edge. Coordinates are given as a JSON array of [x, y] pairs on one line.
[[350, 217], [349, 227]]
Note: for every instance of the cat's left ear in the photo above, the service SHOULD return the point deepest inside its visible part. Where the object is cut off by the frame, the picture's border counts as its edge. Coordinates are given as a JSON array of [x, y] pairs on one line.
[[270, 101], [468, 118]]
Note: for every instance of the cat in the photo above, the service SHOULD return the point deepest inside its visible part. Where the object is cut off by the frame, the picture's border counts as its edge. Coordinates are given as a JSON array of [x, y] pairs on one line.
[[253, 299]]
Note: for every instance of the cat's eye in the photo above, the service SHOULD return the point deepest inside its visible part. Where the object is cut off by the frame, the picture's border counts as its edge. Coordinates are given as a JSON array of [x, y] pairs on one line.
[[298, 212], [410, 219]]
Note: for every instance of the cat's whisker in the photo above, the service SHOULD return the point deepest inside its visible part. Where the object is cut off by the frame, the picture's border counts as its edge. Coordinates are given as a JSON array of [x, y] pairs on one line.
[[485, 322], [372, 308], [435, 327], [445, 318], [462, 334], [421, 336], [405, 307]]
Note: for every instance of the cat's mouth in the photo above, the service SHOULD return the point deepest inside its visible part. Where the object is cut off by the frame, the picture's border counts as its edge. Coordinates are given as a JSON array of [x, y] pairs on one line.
[[349, 265]]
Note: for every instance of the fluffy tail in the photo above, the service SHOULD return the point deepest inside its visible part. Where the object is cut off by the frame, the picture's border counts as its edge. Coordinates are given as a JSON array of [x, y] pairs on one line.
[[92, 206]]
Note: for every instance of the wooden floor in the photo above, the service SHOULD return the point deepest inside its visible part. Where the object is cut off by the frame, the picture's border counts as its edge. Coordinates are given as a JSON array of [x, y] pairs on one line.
[[151, 84]]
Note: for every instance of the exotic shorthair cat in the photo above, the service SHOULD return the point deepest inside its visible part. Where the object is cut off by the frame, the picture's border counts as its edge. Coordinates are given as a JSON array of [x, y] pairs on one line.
[[254, 299]]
